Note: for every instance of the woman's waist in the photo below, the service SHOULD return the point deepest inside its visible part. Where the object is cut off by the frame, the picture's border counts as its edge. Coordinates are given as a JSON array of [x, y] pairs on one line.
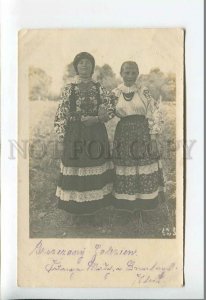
[[133, 123], [82, 125], [134, 117], [84, 113]]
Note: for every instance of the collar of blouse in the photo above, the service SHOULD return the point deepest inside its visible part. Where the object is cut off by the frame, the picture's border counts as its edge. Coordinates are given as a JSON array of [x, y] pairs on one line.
[[77, 79], [127, 89], [142, 91]]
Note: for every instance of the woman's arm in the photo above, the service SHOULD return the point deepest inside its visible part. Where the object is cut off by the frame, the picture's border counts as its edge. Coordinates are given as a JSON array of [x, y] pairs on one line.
[[153, 114], [120, 113], [64, 113], [107, 107], [155, 119]]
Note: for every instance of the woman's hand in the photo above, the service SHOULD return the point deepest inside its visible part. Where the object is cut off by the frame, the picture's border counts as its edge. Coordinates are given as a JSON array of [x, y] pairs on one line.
[[153, 148], [102, 114], [120, 113], [153, 145], [156, 137], [89, 120]]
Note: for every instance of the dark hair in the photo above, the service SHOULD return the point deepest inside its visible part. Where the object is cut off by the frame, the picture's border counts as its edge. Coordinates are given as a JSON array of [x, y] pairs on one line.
[[83, 55], [130, 62]]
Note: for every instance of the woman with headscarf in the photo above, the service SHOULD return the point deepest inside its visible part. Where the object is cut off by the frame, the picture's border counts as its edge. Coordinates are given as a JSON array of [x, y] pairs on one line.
[[85, 182]]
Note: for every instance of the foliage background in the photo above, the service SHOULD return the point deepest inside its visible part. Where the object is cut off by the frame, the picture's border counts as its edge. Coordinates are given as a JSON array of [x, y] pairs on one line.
[[160, 84]]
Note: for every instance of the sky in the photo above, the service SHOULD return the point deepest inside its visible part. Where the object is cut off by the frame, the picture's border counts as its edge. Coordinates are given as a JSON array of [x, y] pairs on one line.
[[51, 50]]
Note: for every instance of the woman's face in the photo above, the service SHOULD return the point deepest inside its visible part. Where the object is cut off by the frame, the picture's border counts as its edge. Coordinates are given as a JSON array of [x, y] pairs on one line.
[[84, 68], [129, 74]]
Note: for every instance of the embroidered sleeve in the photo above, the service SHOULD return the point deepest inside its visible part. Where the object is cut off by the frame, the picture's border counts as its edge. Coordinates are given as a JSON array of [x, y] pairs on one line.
[[65, 113], [117, 93], [108, 102], [153, 112]]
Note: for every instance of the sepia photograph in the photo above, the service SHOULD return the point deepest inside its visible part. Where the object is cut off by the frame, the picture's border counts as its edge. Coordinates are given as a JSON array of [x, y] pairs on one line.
[[102, 149], [102, 144], [100, 199], [102, 161]]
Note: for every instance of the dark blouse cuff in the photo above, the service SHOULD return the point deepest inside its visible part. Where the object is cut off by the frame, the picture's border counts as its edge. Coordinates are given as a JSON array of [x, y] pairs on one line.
[[75, 117]]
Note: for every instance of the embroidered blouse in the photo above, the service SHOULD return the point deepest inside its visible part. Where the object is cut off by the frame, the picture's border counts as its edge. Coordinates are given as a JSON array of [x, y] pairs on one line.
[[81, 99], [142, 103]]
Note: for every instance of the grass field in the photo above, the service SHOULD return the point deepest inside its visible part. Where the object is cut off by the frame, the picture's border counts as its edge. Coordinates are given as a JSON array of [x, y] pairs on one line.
[[47, 221]]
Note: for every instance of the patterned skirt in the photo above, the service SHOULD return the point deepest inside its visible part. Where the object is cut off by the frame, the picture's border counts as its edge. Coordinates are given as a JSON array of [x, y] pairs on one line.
[[138, 171], [85, 183]]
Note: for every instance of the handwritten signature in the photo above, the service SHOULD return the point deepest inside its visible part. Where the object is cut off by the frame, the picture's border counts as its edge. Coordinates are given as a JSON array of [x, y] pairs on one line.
[[101, 261]]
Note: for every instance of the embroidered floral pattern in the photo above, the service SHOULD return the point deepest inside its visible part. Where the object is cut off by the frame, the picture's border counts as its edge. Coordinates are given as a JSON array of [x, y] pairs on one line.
[[76, 102], [132, 184], [154, 113], [108, 101]]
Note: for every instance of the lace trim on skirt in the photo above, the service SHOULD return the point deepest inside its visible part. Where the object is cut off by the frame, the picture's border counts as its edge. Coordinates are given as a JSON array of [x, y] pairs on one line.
[[84, 196], [86, 171], [138, 170], [138, 195]]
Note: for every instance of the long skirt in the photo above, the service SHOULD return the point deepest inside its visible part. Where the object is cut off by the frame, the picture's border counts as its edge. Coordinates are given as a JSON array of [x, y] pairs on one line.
[[138, 172], [85, 183]]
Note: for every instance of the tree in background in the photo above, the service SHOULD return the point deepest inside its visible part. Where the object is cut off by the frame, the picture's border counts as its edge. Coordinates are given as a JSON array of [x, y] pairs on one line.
[[39, 84], [104, 75], [69, 73], [160, 85]]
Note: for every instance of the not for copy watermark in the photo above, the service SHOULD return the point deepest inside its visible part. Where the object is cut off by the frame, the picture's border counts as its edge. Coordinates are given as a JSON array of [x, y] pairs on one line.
[[39, 149]]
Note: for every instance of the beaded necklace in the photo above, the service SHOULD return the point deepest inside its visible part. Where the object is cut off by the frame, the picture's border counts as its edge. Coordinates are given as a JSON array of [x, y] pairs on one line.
[[128, 96]]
